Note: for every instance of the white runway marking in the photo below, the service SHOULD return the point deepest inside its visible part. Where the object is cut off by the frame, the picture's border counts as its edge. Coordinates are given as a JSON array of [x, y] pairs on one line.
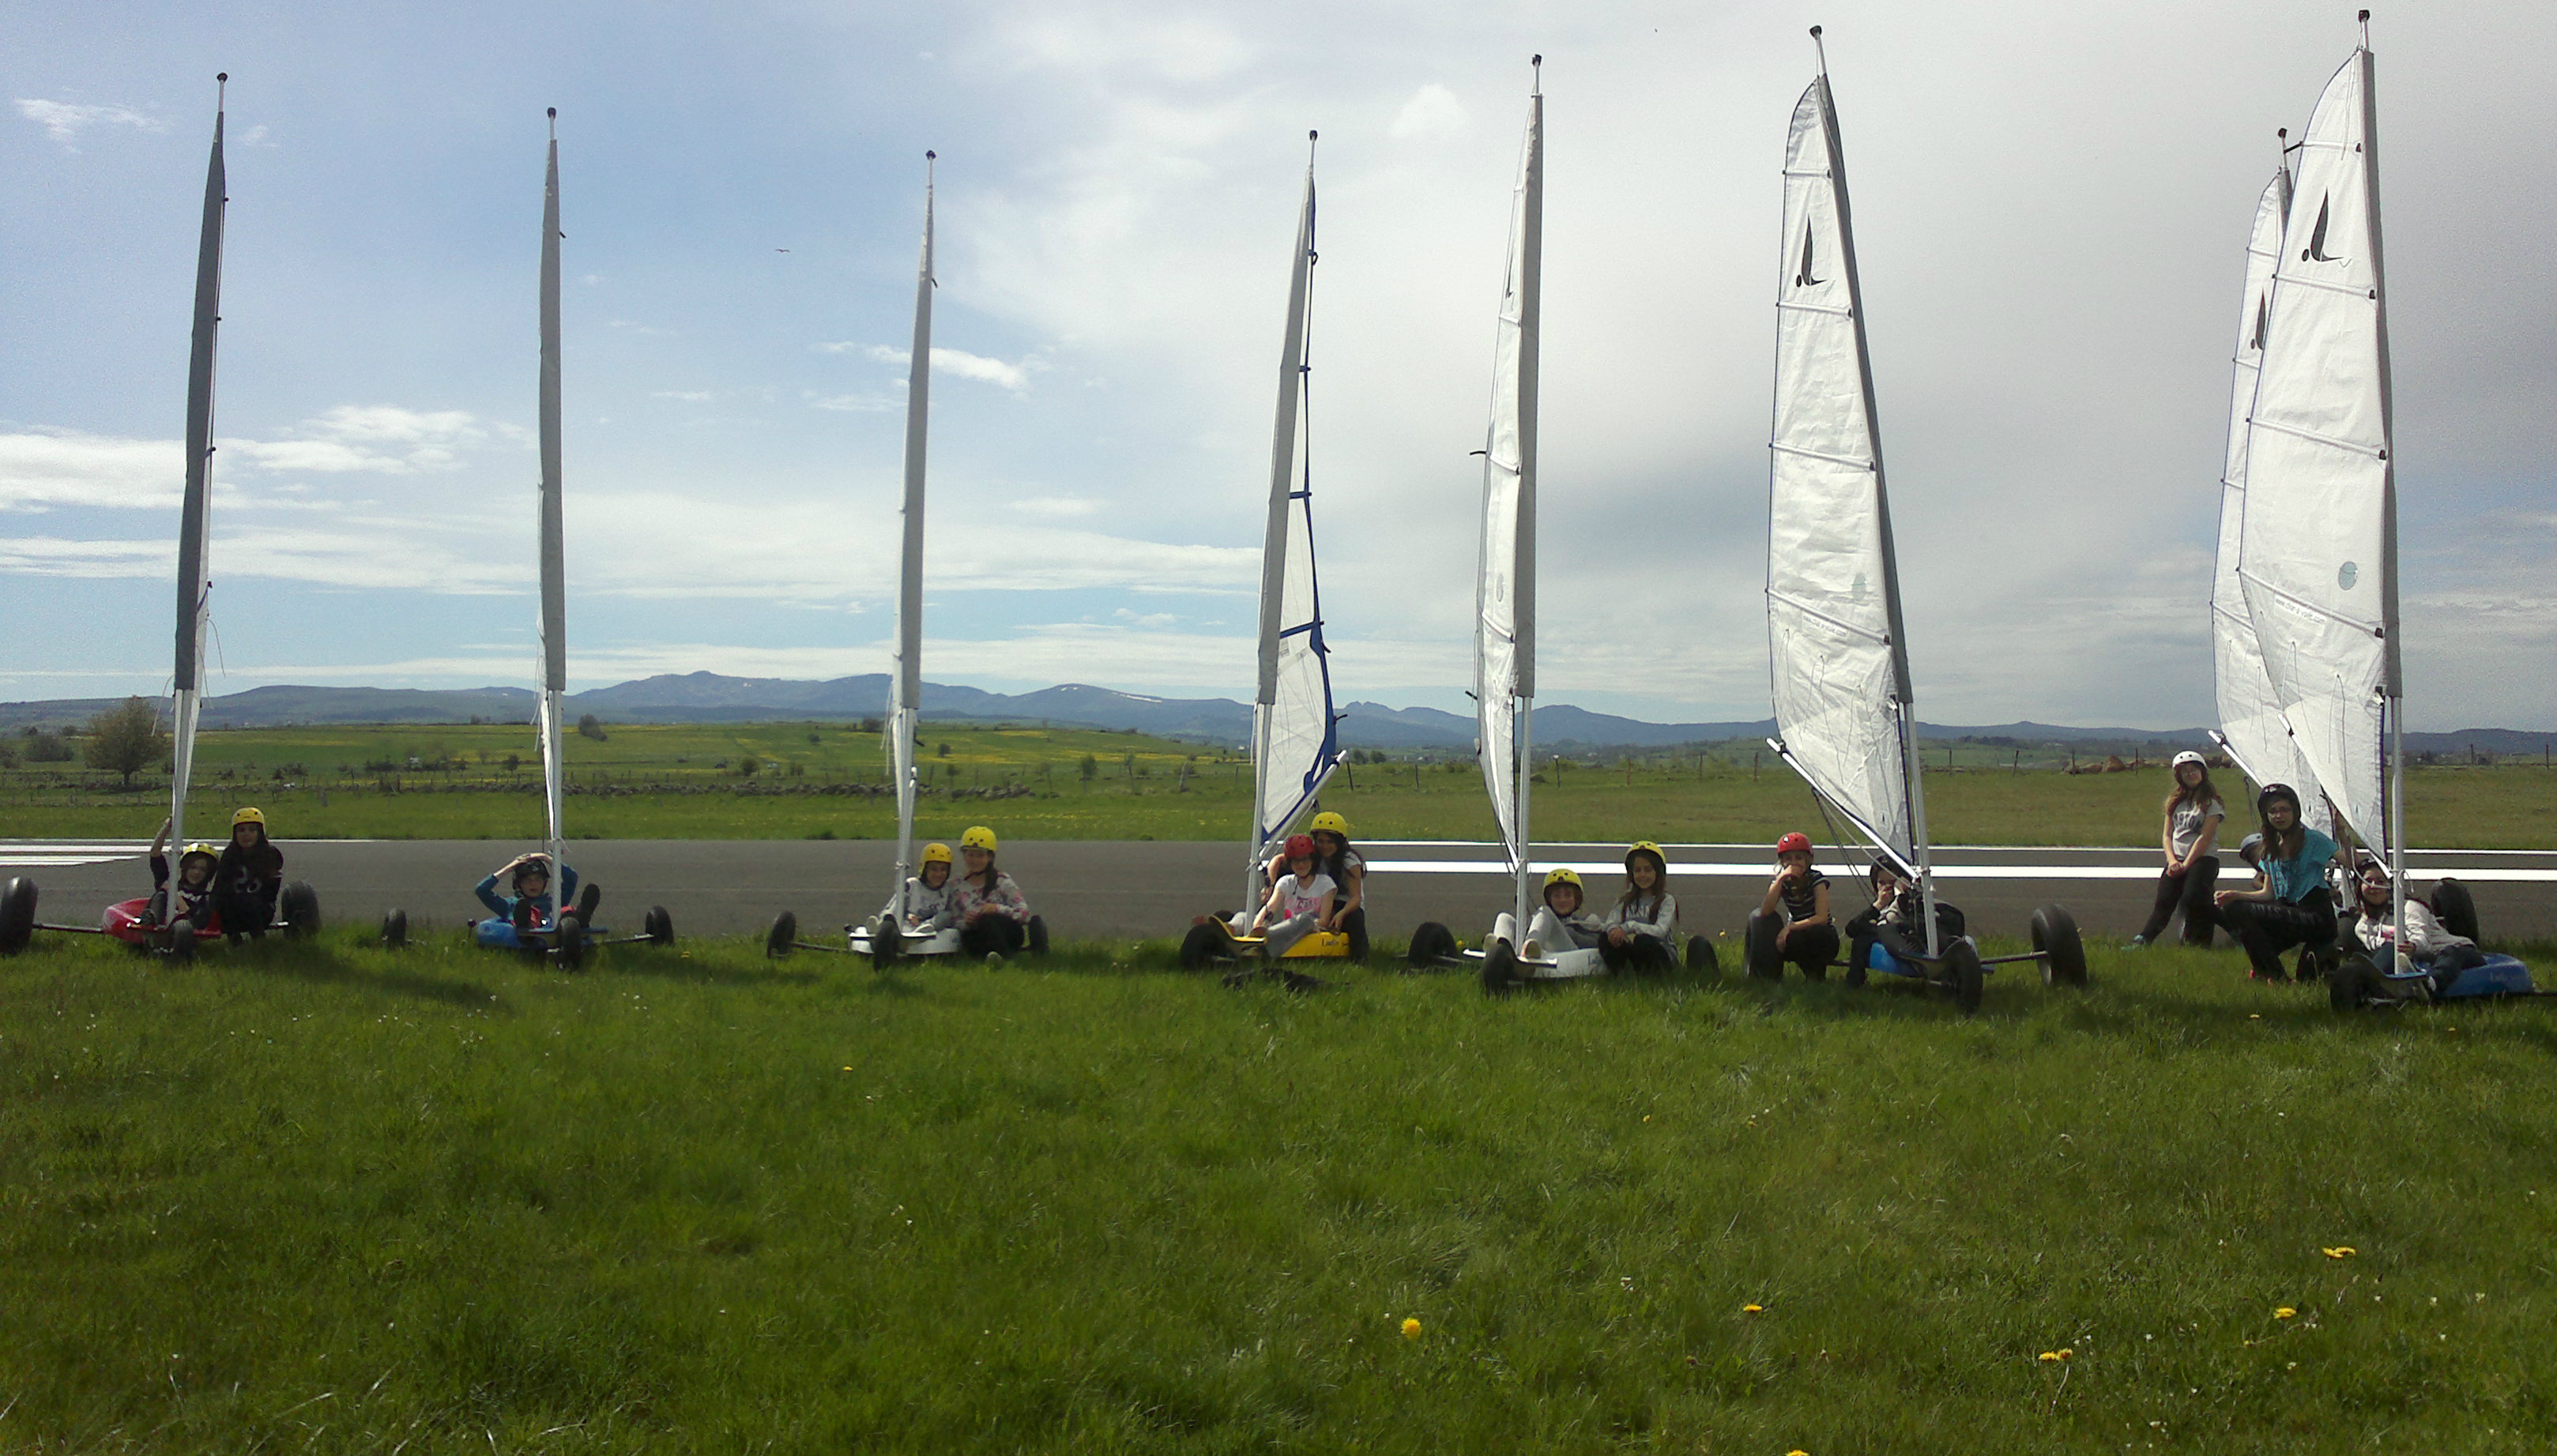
[[1943, 872], [56, 853]]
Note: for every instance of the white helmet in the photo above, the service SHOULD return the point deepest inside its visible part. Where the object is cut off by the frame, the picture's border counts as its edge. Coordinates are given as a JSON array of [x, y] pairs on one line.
[[2188, 757]]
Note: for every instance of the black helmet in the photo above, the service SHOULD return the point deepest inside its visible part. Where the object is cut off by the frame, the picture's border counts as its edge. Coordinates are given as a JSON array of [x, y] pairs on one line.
[[2277, 791]]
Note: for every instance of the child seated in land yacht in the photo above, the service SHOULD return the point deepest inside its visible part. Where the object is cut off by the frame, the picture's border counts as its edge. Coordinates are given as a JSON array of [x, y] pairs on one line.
[[1642, 931], [2430, 945], [189, 897], [927, 894], [1299, 903], [1895, 924], [529, 905], [1562, 923]]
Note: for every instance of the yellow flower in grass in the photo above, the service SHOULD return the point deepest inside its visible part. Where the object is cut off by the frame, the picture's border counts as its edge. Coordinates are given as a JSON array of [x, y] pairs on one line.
[[2341, 1251], [1411, 1329], [2285, 1312], [1753, 1309]]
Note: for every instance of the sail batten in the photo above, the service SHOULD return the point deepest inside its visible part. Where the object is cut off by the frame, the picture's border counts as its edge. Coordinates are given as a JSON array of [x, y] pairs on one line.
[[2316, 504], [1505, 599], [1838, 653], [905, 683], [554, 583], [187, 682], [1295, 736]]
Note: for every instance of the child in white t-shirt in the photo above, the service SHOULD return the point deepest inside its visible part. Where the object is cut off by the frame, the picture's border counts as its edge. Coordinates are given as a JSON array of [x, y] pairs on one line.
[[927, 893], [1298, 903]]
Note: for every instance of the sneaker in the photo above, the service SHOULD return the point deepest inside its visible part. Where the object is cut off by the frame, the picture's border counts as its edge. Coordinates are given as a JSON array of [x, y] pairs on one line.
[[1534, 950], [2137, 943], [994, 959]]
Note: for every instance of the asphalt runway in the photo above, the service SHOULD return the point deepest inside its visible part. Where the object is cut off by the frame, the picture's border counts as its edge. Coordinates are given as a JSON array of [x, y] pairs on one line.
[[1095, 889]]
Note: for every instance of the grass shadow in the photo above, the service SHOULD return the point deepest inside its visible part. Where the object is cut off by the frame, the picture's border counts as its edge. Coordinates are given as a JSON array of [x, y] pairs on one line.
[[321, 968]]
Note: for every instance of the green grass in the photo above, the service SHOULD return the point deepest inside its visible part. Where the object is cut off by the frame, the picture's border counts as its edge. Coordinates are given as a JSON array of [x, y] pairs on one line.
[[329, 1198], [682, 782]]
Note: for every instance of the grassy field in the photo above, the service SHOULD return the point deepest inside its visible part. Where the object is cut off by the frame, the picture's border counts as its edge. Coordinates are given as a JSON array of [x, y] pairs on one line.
[[326, 1198], [686, 782]]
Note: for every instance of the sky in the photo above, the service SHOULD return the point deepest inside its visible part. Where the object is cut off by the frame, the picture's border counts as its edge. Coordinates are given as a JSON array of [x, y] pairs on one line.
[[2050, 202]]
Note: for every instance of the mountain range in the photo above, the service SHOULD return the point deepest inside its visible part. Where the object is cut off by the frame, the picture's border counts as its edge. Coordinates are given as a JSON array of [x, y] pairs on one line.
[[704, 696]]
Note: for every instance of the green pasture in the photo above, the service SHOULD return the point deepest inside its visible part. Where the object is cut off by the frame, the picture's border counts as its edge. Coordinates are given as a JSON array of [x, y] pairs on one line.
[[329, 1198], [687, 781]]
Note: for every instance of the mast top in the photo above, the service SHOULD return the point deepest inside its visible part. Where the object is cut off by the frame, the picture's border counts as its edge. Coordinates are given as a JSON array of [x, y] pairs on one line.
[[1820, 49], [553, 114], [1536, 64], [2364, 18]]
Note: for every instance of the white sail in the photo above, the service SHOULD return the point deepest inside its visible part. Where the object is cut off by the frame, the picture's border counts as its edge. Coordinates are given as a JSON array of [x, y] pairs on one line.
[[1504, 601], [1296, 739], [2251, 727], [2318, 537], [554, 609], [186, 686], [905, 681], [1837, 654]]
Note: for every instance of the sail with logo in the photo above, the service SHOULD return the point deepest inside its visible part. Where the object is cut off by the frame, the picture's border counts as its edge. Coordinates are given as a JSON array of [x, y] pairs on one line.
[[1845, 717], [1295, 735], [2251, 728], [2318, 534], [195, 611]]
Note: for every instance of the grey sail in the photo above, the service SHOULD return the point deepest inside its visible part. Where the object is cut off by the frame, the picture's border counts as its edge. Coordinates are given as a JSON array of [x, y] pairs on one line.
[[187, 690], [1295, 736], [905, 683], [1839, 657], [1505, 594], [554, 622]]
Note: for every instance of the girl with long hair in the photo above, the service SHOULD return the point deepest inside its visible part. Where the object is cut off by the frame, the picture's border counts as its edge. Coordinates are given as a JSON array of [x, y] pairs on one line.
[[2190, 843], [2290, 904]]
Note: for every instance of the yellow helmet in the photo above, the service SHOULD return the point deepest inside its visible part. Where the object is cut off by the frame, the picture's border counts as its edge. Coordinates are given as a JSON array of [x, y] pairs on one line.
[[208, 851], [977, 837], [937, 853], [1571, 877], [1646, 847], [1329, 822], [249, 816]]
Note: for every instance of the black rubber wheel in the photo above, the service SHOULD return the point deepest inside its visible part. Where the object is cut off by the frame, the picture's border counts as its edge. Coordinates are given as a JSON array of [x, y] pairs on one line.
[[395, 929], [301, 907], [888, 942], [1700, 959], [1500, 969], [1203, 946], [660, 926], [1969, 978], [1859, 966], [2349, 988], [2056, 941], [1765, 962], [17, 915], [181, 942], [1431, 945], [1038, 938], [571, 948], [2455, 909], [783, 934]]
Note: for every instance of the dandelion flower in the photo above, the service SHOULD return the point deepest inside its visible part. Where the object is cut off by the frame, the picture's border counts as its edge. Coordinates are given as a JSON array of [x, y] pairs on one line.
[[1753, 1309], [1411, 1329], [2049, 1357], [2285, 1312], [2341, 1251]]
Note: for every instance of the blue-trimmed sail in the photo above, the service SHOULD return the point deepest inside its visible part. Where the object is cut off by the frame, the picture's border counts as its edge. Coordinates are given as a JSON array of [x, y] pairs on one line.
[[1295, 735]]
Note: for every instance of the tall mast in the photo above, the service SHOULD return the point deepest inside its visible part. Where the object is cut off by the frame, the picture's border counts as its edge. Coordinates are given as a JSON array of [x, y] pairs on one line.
[[1504, 597], [1275, 548], [554, 620], [186, 685], [906, 685]]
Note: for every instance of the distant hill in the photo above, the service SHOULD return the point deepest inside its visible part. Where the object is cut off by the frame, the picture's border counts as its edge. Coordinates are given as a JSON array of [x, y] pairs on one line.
[[705, 697]]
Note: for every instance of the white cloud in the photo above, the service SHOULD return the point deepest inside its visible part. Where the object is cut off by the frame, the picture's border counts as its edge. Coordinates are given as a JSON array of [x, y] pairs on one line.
[[54, 555], [857, 404], [1012, 376], [64, 121], [1433, 111], [380, 439], [65, 467], [689, 396], [1058, 508], [255, 136]]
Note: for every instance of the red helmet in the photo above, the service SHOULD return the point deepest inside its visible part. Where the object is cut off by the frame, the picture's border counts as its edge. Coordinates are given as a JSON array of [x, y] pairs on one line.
[[1791, 842], [1300, 846]]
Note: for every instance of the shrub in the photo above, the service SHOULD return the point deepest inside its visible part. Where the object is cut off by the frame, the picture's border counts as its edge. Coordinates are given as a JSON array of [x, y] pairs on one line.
[[750, 765], [591, 726], [126, 739], [45, 748], [1091, 769]]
